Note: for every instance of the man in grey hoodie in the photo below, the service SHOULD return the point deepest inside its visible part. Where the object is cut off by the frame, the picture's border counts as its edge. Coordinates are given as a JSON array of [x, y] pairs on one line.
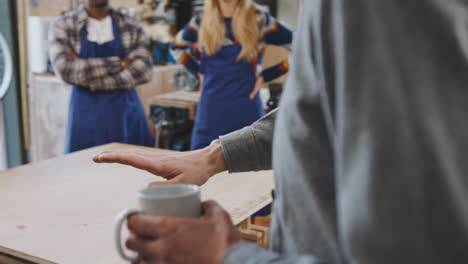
[[370, 146]]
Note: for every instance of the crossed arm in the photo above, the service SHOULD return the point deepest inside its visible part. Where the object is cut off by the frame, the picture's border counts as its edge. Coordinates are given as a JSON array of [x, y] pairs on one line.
[[109, 73]]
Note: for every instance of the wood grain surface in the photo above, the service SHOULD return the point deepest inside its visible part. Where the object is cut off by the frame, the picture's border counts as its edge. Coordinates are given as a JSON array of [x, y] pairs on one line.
[[62, 210]]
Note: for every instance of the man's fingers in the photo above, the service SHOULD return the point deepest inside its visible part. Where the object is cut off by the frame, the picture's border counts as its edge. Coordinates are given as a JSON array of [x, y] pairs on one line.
[[140, 245], [158, 183], [144, 226], [147, 249], [180, 179], [153, 226], [128, 158], [151, 251], [140, 159], [212, 209], [98, 157]]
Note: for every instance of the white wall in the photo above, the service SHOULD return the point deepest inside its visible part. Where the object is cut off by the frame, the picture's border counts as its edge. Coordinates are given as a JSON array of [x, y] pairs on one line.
[[38, 29], [288, 11]]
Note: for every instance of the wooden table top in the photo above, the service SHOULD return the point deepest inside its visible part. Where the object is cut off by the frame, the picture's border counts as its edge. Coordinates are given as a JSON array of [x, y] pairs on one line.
[[62, 210], [180, 99]]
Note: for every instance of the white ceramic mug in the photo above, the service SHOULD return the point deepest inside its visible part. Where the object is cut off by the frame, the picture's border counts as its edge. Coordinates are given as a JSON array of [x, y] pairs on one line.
[[181, 200]]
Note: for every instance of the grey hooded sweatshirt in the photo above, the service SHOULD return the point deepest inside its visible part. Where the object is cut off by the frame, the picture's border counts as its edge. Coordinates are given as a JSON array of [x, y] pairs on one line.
[[370, 145]]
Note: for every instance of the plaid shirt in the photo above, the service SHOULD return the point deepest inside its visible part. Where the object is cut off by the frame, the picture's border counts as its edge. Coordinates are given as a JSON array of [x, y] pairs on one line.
[[99, 73]]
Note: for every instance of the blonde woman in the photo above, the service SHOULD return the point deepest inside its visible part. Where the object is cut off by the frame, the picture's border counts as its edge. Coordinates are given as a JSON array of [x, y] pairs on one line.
[[231, 35]]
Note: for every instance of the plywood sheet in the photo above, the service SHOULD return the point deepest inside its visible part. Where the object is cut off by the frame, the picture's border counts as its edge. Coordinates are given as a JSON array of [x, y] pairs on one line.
[[62, 210]]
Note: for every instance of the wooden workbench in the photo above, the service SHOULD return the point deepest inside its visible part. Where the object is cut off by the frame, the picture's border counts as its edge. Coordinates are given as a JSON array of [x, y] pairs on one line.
[[180, 99], [62, 210]]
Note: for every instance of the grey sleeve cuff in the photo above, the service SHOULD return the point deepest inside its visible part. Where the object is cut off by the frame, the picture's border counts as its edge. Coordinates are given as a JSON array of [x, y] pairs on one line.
[[239, 152], [242, 253], [248, 253], [250, 149]]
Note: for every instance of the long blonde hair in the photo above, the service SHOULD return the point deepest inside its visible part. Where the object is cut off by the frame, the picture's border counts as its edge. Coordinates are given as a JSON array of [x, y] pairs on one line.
[[244, 26]]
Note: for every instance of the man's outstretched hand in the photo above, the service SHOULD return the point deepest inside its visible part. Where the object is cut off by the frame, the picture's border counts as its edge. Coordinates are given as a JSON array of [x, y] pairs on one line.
[[193, 167]]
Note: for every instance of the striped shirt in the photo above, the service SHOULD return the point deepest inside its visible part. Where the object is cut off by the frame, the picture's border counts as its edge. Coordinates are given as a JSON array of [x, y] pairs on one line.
[[99, 73]]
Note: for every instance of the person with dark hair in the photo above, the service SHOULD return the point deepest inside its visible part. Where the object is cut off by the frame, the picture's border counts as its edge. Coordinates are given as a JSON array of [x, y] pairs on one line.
[[104, 54]]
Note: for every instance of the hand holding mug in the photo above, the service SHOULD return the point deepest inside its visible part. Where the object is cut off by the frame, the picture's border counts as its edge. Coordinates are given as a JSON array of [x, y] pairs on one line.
[[177, 240], [176, 200]]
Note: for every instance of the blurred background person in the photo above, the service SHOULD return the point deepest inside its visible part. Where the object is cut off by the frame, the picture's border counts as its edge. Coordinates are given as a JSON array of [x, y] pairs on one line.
[[103, 54], [231, 35]]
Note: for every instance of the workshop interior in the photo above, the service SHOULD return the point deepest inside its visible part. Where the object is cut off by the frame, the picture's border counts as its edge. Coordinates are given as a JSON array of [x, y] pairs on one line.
[[35, 100]]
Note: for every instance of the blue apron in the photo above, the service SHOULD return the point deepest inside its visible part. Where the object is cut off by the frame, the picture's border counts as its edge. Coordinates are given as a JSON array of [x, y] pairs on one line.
[[225, 105], [101, 117]]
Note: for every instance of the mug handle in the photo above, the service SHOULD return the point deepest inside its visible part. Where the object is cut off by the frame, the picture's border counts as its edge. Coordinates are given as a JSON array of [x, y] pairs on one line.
[[121, 218]]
